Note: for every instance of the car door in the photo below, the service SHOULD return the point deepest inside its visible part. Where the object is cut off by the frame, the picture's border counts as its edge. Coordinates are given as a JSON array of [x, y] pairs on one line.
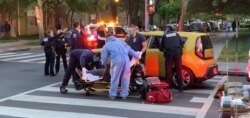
[[154, 61]]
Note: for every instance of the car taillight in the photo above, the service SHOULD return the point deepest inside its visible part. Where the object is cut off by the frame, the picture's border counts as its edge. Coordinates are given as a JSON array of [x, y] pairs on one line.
[[215, 71], [91, 38], [199, 48]]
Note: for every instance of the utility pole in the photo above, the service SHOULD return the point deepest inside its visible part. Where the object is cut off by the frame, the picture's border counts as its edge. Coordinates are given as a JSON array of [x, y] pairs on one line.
[[146, 16], [18, 18]]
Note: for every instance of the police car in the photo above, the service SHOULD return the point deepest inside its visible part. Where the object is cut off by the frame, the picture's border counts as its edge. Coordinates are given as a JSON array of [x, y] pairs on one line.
[[98, 32]]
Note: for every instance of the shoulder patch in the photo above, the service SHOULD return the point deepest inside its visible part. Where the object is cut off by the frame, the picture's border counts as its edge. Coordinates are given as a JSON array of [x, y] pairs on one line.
[[45, 39], [74, 35], [171, 35]]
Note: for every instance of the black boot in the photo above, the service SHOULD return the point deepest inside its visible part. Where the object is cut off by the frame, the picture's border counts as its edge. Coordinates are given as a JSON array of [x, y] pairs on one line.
[[63, 90]]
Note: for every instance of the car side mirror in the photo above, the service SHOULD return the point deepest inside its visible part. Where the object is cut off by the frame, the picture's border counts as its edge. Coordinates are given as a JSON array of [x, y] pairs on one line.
[[208, 53]]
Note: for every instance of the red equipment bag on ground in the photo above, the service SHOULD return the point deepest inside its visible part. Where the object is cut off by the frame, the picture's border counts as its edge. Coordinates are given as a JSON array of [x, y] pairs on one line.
[[158, 92]]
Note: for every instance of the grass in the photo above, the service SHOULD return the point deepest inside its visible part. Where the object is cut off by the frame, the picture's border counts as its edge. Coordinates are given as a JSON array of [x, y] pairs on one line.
[[243, 48], [33, 42], [31, 39], [3, 40], [28, 37]]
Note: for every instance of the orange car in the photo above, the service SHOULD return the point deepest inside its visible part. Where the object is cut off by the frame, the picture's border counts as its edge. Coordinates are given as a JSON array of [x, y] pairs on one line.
[[198, 63]]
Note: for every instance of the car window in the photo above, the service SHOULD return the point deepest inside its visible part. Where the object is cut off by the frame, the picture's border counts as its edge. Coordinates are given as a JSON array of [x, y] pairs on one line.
[[206, 42], [155, 41], [119, 30]]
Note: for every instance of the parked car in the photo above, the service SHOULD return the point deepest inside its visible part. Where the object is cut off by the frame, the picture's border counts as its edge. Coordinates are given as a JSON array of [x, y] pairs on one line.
[[198, 63], [197, 27], [173, 26]]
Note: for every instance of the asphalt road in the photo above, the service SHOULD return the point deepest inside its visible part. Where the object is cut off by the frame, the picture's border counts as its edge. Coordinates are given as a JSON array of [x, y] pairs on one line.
[[25, 92]]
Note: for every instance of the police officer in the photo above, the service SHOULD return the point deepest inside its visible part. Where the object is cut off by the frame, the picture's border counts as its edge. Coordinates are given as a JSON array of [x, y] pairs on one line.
[[49, 49], [171, 45], [75, 38], [80, 58], [61, 49]]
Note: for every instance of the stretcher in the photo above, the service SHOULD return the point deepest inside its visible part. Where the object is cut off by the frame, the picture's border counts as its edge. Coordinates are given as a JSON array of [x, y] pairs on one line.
[[137, 80]]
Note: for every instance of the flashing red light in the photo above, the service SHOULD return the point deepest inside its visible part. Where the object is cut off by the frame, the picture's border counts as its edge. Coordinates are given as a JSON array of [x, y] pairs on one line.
[[91, 38]]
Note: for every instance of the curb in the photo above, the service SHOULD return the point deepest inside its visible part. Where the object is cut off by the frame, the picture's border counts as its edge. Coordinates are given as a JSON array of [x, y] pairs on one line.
[[231, 73], [17, 50], [20, 49]]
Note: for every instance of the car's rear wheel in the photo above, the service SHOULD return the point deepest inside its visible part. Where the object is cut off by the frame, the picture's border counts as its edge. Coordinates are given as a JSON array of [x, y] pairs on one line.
[[187, 76]]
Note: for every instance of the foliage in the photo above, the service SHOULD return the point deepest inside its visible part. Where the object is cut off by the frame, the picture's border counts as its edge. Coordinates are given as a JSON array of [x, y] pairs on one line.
[[169, 10], [132, 8], [234, 7]]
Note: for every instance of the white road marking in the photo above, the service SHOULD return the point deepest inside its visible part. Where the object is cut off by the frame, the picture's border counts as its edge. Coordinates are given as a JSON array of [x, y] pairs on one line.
[[34, 113], [203, 111], [15, 55], [27, 92], [7, 54], [33, 59], [56, 89], [109, 104], [213, 80], [41, 62], [199, 91], [23, 57]]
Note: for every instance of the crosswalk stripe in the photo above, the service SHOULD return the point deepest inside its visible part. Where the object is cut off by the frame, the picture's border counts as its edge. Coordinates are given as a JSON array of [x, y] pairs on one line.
[[213, 80], [23, 57], [6, 54], [199, 91], [109, 104], [31, 60], [15, 55], [35, 113], [41, 62], [56, 89]]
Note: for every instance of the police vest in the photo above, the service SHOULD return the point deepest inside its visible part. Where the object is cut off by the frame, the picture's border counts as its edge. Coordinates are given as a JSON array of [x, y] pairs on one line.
[[171, 41]]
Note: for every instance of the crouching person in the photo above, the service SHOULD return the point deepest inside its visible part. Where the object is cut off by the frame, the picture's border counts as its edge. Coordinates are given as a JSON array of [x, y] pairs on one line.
[[119, 52], [79, 58]]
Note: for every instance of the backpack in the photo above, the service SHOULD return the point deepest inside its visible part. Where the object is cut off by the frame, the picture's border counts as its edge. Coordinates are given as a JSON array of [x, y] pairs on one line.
[[158, 92]]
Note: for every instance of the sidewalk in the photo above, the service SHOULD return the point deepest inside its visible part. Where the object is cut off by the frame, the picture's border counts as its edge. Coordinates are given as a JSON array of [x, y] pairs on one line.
[[17, 46], [230, 68]]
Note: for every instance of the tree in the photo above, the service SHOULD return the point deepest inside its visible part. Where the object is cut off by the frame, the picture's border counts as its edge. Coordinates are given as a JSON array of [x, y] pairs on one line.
[[86, 6], [183, 14], [132, 9], [40, 15], [169, 9]]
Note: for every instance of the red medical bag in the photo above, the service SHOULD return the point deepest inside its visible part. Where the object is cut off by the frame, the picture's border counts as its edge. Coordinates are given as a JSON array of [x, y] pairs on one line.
[[158, 92]]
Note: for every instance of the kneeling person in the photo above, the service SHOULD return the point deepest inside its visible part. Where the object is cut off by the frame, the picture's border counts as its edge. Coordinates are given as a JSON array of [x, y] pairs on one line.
[[80, 58]]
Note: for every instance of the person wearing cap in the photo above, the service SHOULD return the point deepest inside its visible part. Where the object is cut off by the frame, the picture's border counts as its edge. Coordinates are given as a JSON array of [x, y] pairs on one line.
[[119, 52], [171, 45], [79, 58]]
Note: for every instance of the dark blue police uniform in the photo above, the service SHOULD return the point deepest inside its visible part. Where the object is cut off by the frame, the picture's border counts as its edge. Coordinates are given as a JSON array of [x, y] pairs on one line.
[[171, 45], [49, 49], [60, 51], [78, 58], [75, 40]]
